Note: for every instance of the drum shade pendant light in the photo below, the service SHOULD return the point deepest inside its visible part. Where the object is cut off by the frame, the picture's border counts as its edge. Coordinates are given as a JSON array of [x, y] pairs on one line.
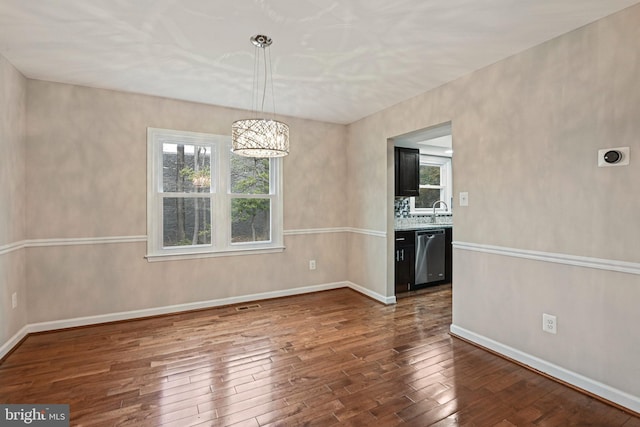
[[261, 136]]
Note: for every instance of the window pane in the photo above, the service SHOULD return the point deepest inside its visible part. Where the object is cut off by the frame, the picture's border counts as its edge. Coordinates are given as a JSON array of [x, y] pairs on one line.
[[249, 175], [250, 220], [429, 175], [427, 197], [186, 221], [186, 168]]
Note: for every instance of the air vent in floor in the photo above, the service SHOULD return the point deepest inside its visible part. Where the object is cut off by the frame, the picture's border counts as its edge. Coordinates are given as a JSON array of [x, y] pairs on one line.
[[247, 307]]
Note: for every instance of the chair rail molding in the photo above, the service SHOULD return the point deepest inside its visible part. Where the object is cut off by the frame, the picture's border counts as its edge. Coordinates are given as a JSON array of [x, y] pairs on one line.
[[558, 258]]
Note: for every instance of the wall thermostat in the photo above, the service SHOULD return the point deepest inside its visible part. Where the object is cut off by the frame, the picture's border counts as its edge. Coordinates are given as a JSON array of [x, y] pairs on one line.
[[613, 157]]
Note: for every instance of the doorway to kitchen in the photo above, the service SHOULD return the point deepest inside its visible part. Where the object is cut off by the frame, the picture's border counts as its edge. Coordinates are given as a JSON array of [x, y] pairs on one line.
[[422, 209]]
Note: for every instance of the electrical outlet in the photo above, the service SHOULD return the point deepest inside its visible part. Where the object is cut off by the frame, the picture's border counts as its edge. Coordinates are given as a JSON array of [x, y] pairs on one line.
[[14, 300], [549, 323], [312, 264]]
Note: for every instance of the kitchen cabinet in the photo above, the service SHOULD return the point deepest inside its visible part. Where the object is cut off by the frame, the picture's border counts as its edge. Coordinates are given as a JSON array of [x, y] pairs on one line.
[[404, 261], [407, 171]]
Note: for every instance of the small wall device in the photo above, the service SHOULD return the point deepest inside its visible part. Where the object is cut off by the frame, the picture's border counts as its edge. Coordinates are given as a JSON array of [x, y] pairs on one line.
[[613, 157]]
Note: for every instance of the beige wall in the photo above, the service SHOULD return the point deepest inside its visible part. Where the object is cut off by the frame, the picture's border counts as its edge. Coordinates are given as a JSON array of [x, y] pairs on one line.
[[87, 179], [12, 199], [526, 131], [503, 298]]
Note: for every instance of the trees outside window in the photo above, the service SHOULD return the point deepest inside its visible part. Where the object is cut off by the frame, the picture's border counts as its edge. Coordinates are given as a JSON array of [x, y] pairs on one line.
[[186, 185], [250, 214], [435, 184]]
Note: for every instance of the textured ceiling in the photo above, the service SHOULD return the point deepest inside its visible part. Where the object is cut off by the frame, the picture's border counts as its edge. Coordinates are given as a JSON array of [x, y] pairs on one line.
[[335, 61]]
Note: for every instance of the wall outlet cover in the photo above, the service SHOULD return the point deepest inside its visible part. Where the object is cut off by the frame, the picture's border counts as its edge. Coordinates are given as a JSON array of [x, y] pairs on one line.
[[549, 323]]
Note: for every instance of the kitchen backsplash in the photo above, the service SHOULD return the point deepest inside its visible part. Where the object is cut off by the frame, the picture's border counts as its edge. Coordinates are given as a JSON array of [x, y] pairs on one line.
[[403, 216], [401, 207]]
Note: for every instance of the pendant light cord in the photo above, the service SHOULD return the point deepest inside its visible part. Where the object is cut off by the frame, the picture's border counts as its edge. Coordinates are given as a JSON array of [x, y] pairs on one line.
[[273, 95], [258, 105], [264, 87]]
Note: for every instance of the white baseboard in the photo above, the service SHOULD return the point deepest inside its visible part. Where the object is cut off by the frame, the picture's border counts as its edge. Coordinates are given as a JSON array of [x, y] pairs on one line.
[[371, 294], [6, 347], [604, 391]]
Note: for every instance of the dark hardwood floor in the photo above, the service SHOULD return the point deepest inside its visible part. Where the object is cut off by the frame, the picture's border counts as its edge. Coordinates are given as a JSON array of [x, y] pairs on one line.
[[319, 359]]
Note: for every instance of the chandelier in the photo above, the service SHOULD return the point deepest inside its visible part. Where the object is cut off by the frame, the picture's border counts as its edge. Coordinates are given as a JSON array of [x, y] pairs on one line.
[[260, 136]]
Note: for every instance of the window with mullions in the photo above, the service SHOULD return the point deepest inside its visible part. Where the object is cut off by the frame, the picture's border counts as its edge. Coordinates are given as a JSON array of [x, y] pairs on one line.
[[435, 184], [203, 200]]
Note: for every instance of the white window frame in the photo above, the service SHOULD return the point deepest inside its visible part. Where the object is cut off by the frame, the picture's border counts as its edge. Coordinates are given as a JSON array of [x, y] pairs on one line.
[[446, 180], [220, 196]]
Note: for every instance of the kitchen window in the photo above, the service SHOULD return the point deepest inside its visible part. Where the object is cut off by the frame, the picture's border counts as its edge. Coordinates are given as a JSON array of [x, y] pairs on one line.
[[435, 184], [203, 200]]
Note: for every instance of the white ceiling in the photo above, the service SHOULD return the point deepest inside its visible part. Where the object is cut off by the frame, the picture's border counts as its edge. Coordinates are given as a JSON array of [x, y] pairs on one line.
[[335, 61]]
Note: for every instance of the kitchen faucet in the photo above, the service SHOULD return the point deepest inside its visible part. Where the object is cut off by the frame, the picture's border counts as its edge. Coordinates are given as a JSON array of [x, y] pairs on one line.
[[433, 216]]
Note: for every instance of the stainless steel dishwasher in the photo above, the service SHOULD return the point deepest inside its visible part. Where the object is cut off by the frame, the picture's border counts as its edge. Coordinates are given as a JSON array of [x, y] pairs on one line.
[[430, 254]]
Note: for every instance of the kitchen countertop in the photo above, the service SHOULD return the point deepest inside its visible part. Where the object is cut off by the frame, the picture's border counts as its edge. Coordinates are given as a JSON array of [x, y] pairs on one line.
[[415, 227]]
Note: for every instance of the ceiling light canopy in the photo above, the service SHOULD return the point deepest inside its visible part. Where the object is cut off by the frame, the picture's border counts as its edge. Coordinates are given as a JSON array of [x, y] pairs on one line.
[[261, 136]]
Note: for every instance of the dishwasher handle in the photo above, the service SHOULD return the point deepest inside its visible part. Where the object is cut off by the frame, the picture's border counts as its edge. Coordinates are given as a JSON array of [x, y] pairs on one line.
[[431, 233]]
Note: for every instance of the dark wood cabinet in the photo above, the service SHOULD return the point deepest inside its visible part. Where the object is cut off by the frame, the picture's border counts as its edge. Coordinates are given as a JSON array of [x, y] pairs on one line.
[[407, 171], [404, 261]]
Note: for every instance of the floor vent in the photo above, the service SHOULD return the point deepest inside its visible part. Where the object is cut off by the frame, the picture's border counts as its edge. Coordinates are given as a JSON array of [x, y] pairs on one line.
[[248, 307]]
